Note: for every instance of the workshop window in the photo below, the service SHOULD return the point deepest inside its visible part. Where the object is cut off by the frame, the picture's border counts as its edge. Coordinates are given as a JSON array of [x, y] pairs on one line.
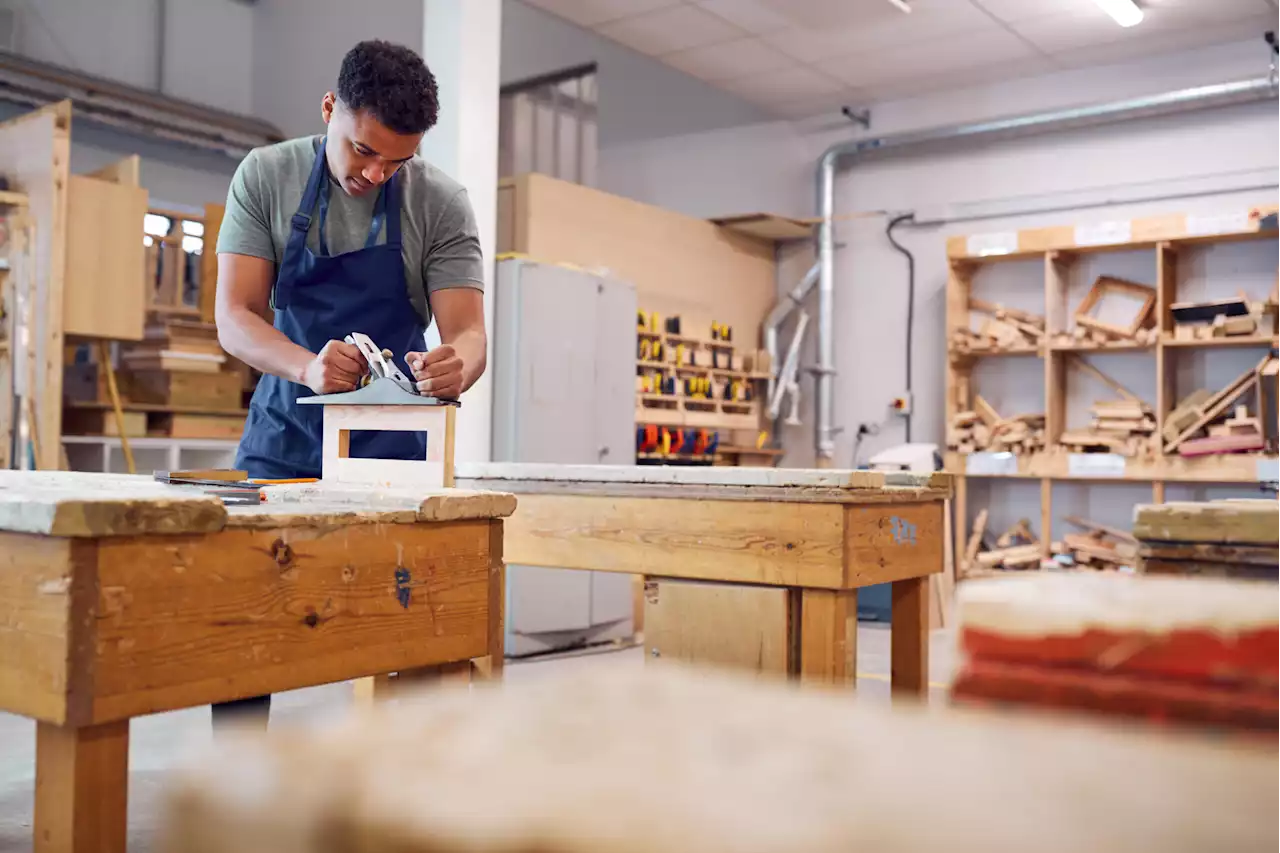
[[548, 125]]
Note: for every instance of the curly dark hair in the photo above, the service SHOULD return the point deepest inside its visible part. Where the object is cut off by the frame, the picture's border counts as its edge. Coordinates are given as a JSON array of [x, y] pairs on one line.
[[392, 83]]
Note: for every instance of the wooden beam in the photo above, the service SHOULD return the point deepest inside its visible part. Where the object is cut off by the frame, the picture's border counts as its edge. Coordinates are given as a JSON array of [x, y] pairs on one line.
[[735, 541], [828, 636]]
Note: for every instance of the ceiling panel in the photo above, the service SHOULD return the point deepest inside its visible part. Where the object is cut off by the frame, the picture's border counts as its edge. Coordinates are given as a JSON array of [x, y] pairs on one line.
[[927, 58], [931, 19], [798, 58], [593, 12], [669, 30], [1088, 26], [753, 16], [910, 87], [1169, 42], [728, 60], [793, 83], [1020, 10]]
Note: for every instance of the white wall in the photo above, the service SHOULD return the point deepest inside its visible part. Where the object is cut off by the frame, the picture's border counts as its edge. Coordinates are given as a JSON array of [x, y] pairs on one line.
[[208, 53], [207, 50], [299, 45], [1204, 161], [640, 98]]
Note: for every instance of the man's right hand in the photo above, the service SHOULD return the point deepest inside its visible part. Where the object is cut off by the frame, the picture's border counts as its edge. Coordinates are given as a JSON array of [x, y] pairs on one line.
[[337, 367]]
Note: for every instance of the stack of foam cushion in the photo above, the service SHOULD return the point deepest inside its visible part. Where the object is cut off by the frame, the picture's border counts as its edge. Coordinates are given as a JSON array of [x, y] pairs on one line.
[[1170, 649]]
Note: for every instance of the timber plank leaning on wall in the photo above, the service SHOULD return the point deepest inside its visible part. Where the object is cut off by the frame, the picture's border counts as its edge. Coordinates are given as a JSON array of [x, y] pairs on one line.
[[679, 264]]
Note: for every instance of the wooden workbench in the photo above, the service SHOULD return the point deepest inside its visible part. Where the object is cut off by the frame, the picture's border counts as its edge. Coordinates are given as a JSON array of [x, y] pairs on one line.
[[748, 567], [655, 759], [121, 596]]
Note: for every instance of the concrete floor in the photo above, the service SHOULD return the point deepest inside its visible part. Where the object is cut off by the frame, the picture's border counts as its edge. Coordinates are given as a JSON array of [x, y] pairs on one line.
[[161, 741]]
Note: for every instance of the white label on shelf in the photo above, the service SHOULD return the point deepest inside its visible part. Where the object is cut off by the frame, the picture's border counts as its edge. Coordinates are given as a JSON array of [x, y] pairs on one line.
[[1268, 470], [1104, 233], [996, 243], [1095, 465], [1222, 223], [991, 464]]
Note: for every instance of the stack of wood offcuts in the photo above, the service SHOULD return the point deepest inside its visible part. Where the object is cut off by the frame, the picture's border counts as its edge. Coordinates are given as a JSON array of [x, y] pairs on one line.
[[1205, 424], [983, 429], [176, 383], [1223, 318], [1096, 548], [1017, 548], [1002, 329], [1123, 426]]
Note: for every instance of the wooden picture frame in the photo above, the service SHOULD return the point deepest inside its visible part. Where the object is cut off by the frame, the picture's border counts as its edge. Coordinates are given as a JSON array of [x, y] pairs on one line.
[[1107, 284]]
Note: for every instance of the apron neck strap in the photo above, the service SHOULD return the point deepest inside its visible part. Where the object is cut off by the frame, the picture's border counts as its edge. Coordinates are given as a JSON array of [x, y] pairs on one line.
[[302, 216], [386, 207]]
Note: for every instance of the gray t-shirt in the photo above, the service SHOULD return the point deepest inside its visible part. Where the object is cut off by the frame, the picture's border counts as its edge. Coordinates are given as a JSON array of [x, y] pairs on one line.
[[437, 226]]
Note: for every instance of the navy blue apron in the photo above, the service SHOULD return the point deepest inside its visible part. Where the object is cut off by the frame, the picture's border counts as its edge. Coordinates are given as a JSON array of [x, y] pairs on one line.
[[321, 297]]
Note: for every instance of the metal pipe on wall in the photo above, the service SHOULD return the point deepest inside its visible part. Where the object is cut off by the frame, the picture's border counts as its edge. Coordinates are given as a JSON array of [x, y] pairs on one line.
[[778, 316], [1182, 100]]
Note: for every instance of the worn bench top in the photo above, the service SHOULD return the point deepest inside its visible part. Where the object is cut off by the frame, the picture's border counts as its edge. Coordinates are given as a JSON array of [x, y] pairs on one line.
[[724, 482], [659, 758], [84, 504]]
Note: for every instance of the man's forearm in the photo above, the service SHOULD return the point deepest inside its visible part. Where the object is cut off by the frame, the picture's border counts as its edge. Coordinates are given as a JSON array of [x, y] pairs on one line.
[[470, 347], [257, 343]]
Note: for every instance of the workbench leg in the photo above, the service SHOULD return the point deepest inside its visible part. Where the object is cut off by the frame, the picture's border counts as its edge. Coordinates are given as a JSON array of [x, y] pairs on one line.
[[828, 627], [909, 638], [497, 641], [82, 783], [368, 690], [452, 674]]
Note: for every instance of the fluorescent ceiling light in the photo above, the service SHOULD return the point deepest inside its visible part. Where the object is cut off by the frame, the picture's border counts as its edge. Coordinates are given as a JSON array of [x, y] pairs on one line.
[[1125, 12], [901, 4]]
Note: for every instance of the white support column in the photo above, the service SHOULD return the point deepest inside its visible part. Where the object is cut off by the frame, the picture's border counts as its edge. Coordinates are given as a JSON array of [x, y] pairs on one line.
[[461, 43]]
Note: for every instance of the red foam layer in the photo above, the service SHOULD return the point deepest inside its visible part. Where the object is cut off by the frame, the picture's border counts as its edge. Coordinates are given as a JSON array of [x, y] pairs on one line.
[[1250, 658], [1158, 700]]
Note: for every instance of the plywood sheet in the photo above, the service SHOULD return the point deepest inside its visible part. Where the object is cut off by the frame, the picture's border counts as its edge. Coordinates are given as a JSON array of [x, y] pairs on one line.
[[713, 624], [767, 226], [657, 758]]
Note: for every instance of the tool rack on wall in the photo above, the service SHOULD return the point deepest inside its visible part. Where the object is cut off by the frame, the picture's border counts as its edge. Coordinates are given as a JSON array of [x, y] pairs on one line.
[[694, 392], [1043, 448]]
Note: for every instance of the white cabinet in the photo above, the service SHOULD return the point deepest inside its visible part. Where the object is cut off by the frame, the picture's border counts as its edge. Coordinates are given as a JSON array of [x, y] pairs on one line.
[[564, 362]]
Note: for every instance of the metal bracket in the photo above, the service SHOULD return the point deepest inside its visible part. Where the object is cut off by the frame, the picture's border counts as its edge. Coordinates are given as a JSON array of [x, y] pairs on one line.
[[862, 117]]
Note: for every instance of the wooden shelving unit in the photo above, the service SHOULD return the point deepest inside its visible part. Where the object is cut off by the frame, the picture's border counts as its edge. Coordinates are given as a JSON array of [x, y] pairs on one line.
[[1168, 238], [711, 412]]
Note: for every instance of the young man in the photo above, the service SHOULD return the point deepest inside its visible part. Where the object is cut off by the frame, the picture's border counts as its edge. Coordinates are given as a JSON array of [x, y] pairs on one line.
[[347, 232]]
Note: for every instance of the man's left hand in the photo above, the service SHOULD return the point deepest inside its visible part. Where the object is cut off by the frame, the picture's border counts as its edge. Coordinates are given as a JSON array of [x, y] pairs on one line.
[[438, 372]]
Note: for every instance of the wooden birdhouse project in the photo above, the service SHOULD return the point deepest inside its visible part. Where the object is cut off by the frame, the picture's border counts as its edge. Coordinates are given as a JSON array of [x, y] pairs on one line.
[[388, 402]]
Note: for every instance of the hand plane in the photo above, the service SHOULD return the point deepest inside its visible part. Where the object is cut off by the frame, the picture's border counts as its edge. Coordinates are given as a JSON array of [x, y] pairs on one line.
[[384, 385], [380, 363]]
